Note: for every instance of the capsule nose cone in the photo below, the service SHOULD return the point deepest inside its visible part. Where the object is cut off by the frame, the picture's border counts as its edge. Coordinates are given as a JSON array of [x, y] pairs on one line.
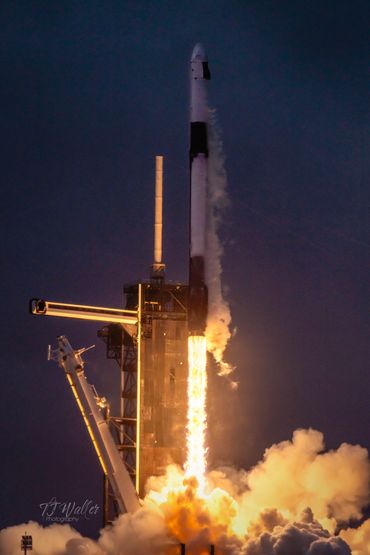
[[199, 53]]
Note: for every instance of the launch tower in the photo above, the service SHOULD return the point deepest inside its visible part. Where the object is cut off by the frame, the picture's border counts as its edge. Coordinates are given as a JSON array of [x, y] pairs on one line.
[[148, 340]]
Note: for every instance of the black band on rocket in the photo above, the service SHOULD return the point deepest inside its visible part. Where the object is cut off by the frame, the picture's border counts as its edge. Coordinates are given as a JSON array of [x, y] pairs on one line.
[[198, 138], [198, 297], [206, 72]]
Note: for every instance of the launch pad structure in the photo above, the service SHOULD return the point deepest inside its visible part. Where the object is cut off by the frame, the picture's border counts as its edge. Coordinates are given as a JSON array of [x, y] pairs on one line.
[[148, 341]]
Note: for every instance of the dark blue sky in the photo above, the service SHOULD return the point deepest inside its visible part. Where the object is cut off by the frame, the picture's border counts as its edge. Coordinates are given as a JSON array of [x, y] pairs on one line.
[[90, 93]]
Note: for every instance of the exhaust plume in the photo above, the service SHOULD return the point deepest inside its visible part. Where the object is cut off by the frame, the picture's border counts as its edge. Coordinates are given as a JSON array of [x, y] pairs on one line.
[[218, 330], [295, 497], [196, 460], [290, 503]]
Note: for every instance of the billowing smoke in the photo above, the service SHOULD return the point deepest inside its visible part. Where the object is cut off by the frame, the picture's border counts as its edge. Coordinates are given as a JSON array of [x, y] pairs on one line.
[[358, 538], [298, 474], [218, 330], [290, 503], [47, 541], [138, 534]]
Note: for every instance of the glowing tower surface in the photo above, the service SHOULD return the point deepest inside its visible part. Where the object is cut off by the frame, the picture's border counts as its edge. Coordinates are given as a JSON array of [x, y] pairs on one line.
[[161, 355]]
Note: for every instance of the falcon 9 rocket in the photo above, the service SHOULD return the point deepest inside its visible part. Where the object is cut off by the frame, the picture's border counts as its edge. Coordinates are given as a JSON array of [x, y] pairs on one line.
[[198, 294]]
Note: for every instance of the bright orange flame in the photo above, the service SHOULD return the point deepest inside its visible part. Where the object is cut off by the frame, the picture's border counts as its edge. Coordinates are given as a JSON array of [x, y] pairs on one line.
[[197, 419]]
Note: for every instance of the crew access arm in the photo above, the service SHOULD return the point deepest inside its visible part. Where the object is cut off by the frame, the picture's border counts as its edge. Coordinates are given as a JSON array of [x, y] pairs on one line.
[[108, 454]]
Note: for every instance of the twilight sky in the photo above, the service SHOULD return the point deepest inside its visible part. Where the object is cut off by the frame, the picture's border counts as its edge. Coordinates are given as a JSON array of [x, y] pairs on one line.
[[90, 93]]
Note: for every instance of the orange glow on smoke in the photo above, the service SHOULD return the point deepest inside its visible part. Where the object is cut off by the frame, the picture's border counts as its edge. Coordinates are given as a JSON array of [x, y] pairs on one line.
[[195, 465], [241, 512]]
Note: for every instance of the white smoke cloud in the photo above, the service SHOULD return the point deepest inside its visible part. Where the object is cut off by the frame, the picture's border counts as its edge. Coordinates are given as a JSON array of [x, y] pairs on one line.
[[47, 541], [138, 534], [304, 537], [141, 533], [290, 503], [297, 474], [218, 330]]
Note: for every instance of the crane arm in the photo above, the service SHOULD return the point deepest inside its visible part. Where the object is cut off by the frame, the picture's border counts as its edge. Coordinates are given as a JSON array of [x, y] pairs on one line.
[[106, 449], [127, 318]]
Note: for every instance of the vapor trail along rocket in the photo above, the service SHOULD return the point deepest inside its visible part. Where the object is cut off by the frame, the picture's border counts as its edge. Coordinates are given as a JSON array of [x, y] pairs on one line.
[[198, 294]]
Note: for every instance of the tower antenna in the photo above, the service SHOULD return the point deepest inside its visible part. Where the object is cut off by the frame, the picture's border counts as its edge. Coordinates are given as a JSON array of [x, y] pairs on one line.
[[158, 266]]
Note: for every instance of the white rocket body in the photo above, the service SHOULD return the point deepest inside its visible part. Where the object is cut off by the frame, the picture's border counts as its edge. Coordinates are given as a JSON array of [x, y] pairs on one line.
[[198, 297]]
